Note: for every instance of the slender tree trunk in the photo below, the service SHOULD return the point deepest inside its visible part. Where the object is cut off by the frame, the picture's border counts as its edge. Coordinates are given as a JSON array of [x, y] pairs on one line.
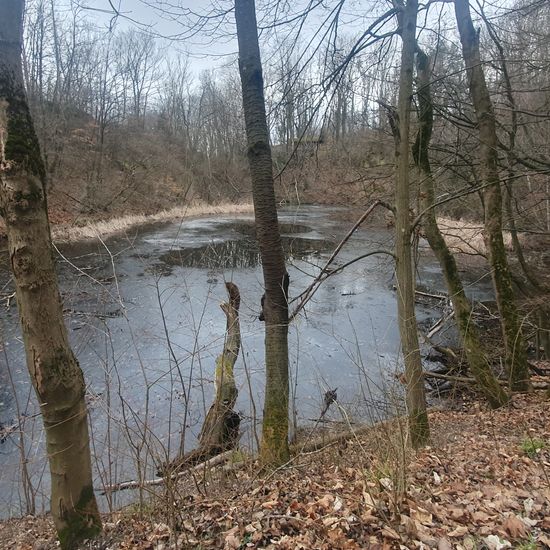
[[54, 370], [274, 447], [416, 400], [516, 360], [475, 355]]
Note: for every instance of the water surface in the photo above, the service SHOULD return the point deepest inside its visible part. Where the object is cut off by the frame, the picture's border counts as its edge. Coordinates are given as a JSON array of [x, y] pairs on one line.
[[144, 320]]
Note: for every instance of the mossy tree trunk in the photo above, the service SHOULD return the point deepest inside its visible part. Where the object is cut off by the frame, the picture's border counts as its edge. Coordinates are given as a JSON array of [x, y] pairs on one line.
[[221, 425], [274, 446], [416, 399], [475, 355], [220, 430], [53, 368], [516, 359]]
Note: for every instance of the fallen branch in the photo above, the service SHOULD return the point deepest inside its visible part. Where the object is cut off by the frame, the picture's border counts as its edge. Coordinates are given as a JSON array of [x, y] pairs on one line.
[[468, 380], [8, 298], [462, 379], [439, 325], [215, 461], [427, 294]]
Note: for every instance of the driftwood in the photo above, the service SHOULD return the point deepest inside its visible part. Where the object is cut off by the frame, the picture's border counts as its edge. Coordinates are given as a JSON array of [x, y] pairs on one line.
[[220, 431]]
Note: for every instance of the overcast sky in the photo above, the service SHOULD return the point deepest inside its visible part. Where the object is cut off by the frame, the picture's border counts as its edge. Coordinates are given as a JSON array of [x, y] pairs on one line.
[[167, 18], [204, 52]]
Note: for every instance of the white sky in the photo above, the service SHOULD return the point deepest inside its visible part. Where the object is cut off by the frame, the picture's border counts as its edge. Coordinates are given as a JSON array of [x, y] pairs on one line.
[[204, 53]]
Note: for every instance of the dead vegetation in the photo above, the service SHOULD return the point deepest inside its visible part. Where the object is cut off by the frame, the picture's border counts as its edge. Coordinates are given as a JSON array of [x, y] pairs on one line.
[[483, 483]]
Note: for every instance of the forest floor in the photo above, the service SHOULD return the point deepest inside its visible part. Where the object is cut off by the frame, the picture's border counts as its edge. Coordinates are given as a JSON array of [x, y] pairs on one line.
[[483, 483]]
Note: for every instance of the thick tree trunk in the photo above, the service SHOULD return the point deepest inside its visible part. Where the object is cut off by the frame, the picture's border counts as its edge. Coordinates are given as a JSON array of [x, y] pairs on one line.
[[475, 355], [516, 360], [416, 400], [54, 370], [274, 447]]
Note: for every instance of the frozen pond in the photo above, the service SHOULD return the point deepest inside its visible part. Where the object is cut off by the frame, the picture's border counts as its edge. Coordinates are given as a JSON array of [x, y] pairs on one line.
[[144, 320]]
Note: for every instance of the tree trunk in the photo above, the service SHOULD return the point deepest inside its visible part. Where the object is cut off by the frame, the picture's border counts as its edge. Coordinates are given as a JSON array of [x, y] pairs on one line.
[[221, 427], [220, 431], [416, 400], [274, 446], [53, 368], [475, 355], [516, 360]]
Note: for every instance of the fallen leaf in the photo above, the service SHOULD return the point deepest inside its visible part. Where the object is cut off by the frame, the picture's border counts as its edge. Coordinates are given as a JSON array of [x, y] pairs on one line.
[[515, 527], [480, 517], [410, 526], [459, 531], [422, 516], [386, 483], [389, 533], [326, 501]]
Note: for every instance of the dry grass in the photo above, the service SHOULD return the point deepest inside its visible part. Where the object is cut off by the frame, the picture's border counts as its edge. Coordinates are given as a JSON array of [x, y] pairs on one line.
[[68, 233], [466, 237]]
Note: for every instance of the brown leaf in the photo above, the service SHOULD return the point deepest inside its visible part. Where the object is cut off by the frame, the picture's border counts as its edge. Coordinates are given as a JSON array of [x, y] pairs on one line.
[[460, 531], [389, 533], [410, 526], [480, 517], [444, 544], [326, 501], [515, 527], [422, 516]]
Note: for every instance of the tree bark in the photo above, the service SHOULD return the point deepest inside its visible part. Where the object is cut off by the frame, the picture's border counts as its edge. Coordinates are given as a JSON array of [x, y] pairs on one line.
[[416, 399], [274, 446], [516, 360], [221, 426], [54, 370], [475, 355], [220, 430]]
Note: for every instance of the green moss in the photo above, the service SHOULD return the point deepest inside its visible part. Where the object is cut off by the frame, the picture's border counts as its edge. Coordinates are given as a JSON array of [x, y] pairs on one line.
[[81, 523], [22, 148]]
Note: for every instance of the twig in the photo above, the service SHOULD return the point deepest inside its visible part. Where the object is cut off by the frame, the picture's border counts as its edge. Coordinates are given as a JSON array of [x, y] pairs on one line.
[[307, 294], [9, 298]]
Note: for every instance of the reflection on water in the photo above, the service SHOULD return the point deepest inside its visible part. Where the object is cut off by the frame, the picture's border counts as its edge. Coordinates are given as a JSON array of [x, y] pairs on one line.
[[233, 254]]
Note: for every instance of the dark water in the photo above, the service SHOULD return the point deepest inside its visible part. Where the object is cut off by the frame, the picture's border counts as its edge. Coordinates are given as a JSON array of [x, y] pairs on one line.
[[144, 320]]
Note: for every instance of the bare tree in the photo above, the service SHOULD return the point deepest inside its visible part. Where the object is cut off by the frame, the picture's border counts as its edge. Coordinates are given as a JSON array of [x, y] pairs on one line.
[[475, 354], [516, 360], [416, 400], [274, 447], [54, 370]]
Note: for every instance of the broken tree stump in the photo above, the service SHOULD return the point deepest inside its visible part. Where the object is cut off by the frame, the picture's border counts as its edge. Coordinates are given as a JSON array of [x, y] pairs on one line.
[[220, 431]]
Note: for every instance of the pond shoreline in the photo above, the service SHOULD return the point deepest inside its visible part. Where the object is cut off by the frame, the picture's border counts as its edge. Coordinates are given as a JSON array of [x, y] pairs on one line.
[[70, 233]]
